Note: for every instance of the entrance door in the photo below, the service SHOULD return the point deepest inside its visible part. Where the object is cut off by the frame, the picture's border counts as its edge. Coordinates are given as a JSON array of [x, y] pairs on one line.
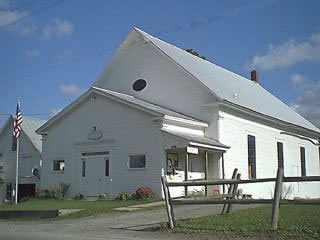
[[95, 173]]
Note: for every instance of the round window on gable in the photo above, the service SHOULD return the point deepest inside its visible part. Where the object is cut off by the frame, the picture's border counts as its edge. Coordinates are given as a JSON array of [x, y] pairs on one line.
[[139, 85]]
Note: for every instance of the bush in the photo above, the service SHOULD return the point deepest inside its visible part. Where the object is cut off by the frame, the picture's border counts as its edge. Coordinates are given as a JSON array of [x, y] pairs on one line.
[[79, 196], [104, 196], [64, 188], [54, 192], [144, 193], [42, 193], [124, 196]]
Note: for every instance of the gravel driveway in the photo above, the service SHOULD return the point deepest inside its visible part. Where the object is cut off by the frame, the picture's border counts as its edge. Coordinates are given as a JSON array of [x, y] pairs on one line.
[[117, 225]]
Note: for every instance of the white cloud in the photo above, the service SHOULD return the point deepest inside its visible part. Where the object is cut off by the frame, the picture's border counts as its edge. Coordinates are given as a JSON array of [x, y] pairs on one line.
[[288, 53], [8, 19], [72, 90], [308, 105], [31, 53], [57, 27], [300, 82]]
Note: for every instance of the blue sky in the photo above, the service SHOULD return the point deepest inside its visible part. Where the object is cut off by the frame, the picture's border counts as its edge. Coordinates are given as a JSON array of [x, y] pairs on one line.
[[52, 50]]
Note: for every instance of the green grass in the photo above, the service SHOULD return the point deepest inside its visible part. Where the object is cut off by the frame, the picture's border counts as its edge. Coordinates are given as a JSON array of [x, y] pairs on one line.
[[90, 208], [295, 222]]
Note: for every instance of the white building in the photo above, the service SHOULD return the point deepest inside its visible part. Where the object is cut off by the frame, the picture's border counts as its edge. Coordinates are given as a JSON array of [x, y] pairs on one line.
[[152, 102], [29, 158]]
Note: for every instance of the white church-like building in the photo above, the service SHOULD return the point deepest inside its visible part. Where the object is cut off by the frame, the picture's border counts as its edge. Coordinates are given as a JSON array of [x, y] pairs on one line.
[[158, 110]]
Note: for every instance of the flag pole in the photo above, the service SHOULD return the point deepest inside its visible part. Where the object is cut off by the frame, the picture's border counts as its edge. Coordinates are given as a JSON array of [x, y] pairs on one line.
[[17, 173]]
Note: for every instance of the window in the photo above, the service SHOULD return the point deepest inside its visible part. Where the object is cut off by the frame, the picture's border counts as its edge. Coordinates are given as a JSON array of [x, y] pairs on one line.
[[280, 155], [251, 156], [303, 161], [58, 165], [84, 165], [107, 168], [14, 144], [139, 85], [137, 161], [9, 191]]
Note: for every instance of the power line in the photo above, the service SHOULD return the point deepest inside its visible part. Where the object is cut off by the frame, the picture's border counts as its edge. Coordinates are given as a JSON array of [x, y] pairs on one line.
[[22, 5], [31, 14], [93, 54]]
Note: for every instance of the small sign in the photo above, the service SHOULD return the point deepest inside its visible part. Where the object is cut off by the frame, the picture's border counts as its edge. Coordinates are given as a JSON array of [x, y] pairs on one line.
[[192, 150], [95, 134]]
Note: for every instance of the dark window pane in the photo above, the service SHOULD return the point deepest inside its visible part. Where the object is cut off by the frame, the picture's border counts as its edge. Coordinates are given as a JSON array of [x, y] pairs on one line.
[[14, 143], [303, 161], [9, 191], [251, 156], [280, 155], [84, 168], [137, 161], [107, 168], [139, 85], [58, 165]]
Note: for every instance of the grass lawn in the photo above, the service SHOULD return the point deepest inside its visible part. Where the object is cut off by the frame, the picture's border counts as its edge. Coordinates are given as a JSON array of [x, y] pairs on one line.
[[90, 208], [295, 222]]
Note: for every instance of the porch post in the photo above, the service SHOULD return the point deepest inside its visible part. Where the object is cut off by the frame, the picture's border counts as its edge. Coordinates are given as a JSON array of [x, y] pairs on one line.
[[206, 171], [186, 170], [222, 160]]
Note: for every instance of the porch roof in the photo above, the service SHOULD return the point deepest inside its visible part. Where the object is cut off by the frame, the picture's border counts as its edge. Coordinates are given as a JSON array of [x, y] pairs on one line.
[[198, 141]]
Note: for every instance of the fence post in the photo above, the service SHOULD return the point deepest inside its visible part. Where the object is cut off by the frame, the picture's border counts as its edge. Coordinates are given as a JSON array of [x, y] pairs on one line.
[[276, 199], [166, 198], [234, 174], [234, 192]]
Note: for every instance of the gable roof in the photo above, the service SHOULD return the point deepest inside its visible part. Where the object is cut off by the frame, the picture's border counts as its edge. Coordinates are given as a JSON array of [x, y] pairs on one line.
[[228, 86], [123, 98], [29, 127]]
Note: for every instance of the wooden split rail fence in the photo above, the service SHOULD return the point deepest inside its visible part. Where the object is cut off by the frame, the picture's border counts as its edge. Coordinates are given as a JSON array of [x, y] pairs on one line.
[[230, 199]]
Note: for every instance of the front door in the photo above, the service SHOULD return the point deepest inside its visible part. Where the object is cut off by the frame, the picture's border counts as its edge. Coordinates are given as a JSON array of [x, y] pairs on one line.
[[95, 173]]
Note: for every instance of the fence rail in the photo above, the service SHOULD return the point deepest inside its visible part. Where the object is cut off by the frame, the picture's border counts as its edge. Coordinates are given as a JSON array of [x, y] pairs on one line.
[[229, 198]]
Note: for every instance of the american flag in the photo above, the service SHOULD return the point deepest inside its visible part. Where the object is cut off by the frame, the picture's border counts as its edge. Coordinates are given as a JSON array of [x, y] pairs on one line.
[[17, 120]]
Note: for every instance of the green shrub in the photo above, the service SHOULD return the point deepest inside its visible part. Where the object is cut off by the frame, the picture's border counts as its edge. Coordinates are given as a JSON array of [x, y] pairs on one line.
[[124, 196], [105, 196], [53, 192]]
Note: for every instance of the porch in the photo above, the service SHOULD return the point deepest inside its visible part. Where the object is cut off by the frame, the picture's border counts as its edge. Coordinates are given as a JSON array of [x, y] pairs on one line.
[[193, 157]]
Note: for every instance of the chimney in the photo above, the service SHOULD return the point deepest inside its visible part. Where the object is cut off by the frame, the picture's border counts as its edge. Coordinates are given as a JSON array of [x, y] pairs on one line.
[[254, 76]]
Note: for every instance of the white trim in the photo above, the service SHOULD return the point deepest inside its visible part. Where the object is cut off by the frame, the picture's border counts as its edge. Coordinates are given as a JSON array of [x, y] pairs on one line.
[[186, 121], [207, 146]]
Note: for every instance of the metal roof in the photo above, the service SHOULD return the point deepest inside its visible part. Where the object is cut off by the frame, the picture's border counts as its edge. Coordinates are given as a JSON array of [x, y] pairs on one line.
[[197, 139], [230, 86], [29, 127], [145, 104]]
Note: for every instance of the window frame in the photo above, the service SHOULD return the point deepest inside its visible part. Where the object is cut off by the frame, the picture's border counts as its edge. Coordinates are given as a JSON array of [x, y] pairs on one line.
[[252, 160], [53, 165], [303, 168], [137, 168]]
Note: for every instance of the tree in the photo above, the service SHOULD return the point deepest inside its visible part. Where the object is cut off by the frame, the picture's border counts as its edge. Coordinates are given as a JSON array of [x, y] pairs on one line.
[[190, 50]]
